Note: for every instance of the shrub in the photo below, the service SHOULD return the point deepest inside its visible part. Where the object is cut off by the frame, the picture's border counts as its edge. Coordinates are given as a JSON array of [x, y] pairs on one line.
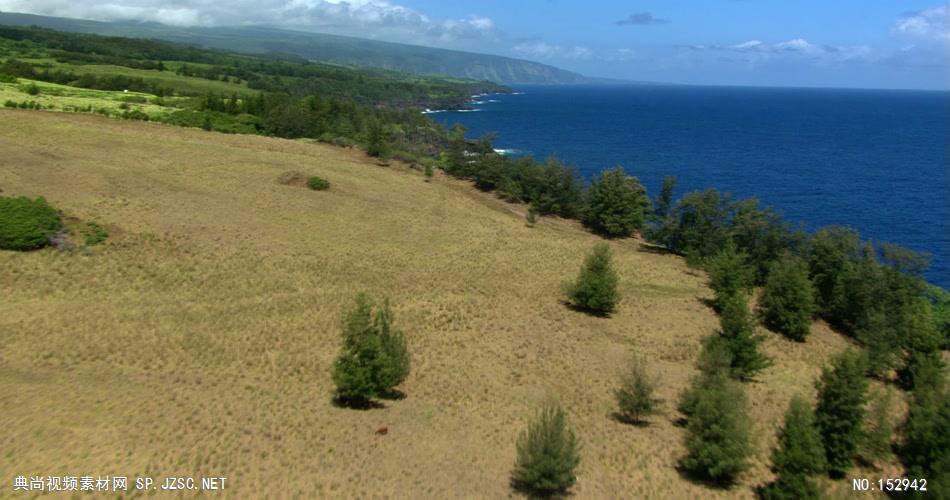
[[798, 456], [318, 184], [595, 290], [377, 144], [428, 171], [635, 397], [374, 357], [9, 104], [616, 204], [95, 234], [717, 440], [547, 455], [788, 299], [31, 89], [532, 216], [27, 224], [738, 330], [840, 410]]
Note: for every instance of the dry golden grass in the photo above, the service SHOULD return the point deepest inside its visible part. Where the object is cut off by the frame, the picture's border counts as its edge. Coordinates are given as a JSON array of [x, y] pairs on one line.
[[198, 339]]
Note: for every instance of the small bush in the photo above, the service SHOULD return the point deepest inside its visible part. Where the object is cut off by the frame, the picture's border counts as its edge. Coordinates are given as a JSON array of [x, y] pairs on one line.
[[31, 89], [318, 184], [428, 171], [9, 104], [95, 234], [531, 217], [27, 224], [547, 455], [595, 290], [635, 396]]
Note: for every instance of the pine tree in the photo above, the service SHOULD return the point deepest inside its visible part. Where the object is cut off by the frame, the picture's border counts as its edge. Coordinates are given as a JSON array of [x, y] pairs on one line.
[[788, 299], [394, 352], [798, 456], [635, 397], [595, 290], [717, 441], [729, 274], [926, 448], [715, 365], [738, 328], [374, 357], [840, 410], [547, 455]]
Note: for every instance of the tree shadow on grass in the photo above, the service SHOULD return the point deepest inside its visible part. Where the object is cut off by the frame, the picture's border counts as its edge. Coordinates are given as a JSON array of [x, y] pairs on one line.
[[702, 479], [533, 493], [576, 308], [393, 395], [656, 249], [641, 423], [362, 404]]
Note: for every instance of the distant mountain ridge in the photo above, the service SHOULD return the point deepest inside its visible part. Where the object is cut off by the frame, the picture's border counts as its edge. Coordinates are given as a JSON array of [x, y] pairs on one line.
[[323, 47]]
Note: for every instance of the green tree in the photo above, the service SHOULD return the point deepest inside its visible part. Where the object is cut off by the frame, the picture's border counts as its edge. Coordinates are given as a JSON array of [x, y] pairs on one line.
[[377, 144], [830, 252], [374, 357], [547, 455], [738, 329], [787, 300], [717, 440], [698, 226], [664, 201], [926, 449], [840, 410], [797, 457], [635, 397], [616, 204], [595, 290], [715, 365], [729, 274], [761, 235]]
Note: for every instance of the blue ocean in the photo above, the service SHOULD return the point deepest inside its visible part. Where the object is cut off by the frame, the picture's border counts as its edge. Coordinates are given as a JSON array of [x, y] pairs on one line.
[[875, 160]]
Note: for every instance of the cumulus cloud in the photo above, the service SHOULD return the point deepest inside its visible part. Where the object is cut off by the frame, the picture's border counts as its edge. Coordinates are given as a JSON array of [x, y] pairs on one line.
[[924, 24], [641, 19], [544, 50], [355, 17]]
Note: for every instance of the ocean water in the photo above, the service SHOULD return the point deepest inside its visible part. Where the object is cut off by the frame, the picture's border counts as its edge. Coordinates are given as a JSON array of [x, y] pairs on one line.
[[878, 161]]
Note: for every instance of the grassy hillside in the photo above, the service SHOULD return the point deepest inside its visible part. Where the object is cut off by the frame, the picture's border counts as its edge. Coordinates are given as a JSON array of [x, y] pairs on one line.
[[323, 47], [198, 339]]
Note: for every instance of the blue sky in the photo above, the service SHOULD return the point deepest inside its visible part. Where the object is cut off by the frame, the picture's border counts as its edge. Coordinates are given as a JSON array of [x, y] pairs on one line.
[[834, 43]]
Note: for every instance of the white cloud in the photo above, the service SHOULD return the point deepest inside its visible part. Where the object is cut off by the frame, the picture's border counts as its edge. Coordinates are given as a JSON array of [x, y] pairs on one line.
[[380, 18], [544, 50], [929, 24], [757, 50]]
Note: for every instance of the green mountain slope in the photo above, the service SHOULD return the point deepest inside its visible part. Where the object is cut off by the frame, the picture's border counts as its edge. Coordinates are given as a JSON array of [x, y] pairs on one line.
[[323, 47]]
